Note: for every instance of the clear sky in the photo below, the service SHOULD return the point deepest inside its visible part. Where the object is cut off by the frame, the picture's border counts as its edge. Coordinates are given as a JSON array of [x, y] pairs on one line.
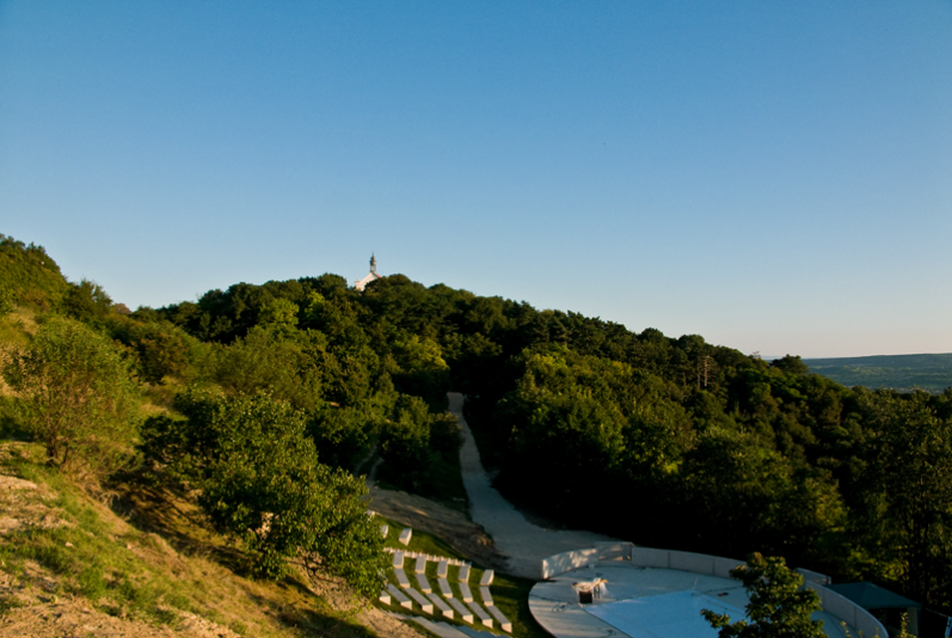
[[774, 176]]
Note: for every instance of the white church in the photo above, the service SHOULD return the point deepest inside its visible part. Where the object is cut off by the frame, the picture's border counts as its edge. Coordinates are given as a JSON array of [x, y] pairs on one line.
[[373, 276]]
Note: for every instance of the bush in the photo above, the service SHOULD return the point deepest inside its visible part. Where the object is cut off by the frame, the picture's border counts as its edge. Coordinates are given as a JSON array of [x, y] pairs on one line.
[[261, 482], [75, 394]]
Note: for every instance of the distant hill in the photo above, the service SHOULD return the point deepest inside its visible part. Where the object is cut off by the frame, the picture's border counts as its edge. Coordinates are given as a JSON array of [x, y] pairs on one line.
[[903, 372]]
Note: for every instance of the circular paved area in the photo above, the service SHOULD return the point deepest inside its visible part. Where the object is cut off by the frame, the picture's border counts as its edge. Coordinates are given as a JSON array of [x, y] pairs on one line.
[[643, 602]]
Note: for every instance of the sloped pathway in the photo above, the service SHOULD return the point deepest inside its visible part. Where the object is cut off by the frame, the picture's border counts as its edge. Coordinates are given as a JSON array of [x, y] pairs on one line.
[[524, 544]]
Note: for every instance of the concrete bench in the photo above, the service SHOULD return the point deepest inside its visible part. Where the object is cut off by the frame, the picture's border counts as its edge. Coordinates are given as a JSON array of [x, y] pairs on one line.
[[400, 596], [504, 623], [481, 613], [402, 578], [462, 610], [384, 597], [465, 593], [486, 596], [420, 565], [405, 535], [423, 583], [445, 588], [487, 578], [441, 605], [442, 568], [422, 600], [464, 573], [398, 559]]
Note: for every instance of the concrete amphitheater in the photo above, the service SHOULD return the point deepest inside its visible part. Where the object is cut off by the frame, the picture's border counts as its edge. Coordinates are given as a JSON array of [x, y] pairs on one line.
[[647, 593]]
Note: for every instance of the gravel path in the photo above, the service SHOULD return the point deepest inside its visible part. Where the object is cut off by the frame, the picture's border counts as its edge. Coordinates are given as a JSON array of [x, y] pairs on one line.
[[524, 544]]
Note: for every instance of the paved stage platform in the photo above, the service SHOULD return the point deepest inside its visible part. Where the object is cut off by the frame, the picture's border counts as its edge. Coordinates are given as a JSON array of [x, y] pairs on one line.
[[643, 602]]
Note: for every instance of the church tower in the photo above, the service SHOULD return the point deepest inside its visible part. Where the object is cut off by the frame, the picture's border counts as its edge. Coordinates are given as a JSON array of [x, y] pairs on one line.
[[373, 276]]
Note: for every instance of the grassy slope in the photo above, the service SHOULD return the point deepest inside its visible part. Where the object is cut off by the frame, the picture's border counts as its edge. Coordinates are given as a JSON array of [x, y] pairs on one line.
[[148, 556], [29, 275], [87, 550]]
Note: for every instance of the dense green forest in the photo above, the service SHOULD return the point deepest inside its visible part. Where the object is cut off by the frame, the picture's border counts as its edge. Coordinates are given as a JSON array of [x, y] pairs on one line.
[[585, 420]]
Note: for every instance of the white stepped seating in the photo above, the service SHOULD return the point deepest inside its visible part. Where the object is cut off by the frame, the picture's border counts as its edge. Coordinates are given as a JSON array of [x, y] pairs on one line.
[[464, 573], [405, 535], [441, 605], [487, 578], [445, 588], [462, 610], [442, 569], [423, 583], [384, 597], [398, 559], [465, 593], [481, 613], [422, 600], [486, 596], [402, 578], [504, 623], [384, 530], [420, 565], [438, 628], [400, 596]]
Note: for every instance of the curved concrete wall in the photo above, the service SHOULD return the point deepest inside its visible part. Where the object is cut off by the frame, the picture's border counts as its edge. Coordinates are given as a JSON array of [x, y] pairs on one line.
[[567, 561], [848, 611], [832, 602]]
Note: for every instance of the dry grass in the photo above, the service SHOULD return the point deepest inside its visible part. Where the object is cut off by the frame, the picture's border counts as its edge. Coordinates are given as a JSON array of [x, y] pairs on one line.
[[143, 556], [16, 329]]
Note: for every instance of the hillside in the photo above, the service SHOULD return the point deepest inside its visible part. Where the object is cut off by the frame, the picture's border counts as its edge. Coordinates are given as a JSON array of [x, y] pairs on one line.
[[904, 372], [263, 404], [28, 275], [137, 562]]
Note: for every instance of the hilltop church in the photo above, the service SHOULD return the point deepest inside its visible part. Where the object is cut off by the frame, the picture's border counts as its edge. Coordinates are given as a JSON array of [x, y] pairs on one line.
[[373, 276]]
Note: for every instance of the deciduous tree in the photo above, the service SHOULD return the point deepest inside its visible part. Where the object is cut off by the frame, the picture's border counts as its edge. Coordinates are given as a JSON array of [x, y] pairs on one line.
[[778, 607], [76, 394], [261, 482]]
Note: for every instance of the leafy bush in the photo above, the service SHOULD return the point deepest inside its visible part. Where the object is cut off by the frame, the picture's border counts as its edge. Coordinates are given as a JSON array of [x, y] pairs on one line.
[[76, 395], [261, 482]]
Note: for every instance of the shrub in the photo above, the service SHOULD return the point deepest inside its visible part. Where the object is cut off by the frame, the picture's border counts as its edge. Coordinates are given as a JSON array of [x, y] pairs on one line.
[[75, 394]]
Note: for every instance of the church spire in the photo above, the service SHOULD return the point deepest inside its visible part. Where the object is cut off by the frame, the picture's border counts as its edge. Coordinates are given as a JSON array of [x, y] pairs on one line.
[[360, 285]]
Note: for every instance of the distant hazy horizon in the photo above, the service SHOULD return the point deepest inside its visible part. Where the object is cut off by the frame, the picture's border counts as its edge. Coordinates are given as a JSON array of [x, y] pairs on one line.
[[771, 176]]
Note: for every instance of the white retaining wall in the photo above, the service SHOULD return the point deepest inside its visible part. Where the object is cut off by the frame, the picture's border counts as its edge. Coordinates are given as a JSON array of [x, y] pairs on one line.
[[814, 577], [613, 551], [845, 609], [567, 561]]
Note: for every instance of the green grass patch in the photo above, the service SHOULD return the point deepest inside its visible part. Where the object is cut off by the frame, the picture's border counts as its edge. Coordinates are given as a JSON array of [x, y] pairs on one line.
[[419, 541]]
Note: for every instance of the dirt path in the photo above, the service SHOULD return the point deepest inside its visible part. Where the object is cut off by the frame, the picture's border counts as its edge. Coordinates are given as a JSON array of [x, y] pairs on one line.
[[498, 536], [523, 544]]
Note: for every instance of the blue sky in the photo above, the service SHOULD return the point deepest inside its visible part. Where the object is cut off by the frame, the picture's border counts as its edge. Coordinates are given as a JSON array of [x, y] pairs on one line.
[[774, 176]]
